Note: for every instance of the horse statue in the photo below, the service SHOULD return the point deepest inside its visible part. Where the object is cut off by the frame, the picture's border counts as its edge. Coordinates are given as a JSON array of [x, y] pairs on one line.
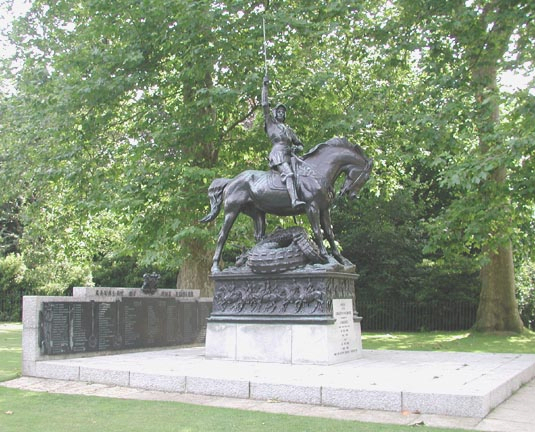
[[256, 193]]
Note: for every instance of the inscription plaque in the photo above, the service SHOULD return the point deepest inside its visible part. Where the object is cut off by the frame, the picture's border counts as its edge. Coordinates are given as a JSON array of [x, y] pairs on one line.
[[106, 326], [79, 333], [54, 328], [188, 323], [172, 334], [345, 344], [132, 327], [127, 323]]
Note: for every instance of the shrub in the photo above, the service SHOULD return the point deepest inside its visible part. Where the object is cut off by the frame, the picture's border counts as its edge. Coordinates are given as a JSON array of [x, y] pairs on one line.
[[12, 286], [525, 291], [12, 271], [125, 271], [386, 238], [58, 277]]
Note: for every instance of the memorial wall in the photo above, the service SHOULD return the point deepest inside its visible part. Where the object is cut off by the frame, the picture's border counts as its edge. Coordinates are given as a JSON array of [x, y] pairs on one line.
[[97, 321]]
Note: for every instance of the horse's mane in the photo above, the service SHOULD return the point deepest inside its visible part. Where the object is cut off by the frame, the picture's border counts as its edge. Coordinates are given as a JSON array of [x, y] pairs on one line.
[[334, 142]]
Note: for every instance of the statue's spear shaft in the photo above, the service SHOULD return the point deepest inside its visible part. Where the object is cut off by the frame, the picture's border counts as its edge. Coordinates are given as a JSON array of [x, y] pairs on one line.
[[265, 46]]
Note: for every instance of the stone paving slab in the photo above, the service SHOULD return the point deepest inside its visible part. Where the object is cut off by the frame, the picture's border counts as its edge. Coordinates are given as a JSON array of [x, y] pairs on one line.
[[516, 414], [415, 384], [270, 406], [497, 421]]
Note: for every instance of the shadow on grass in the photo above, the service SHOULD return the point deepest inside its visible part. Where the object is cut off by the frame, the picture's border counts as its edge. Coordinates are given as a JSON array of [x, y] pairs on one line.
[[466, 341]]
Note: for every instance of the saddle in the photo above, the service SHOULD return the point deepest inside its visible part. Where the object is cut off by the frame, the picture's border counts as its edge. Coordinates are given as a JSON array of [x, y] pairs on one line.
[[299, 167]]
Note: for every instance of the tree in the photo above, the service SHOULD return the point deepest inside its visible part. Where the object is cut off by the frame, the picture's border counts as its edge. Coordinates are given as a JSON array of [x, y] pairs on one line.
[[113, 112], [130, 109], [461, 48]]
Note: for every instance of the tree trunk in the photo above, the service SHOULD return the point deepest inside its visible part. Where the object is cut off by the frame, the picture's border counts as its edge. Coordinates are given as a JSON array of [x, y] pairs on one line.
[[195, 270], [498, 308], [195, 274]]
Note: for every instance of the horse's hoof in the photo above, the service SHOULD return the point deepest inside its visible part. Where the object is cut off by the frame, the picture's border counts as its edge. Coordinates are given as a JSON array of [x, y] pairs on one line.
[[343, 260], [215, 269]]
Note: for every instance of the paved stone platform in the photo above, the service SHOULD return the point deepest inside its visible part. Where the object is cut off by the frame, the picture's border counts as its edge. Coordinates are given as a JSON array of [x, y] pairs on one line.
[[448, 384]]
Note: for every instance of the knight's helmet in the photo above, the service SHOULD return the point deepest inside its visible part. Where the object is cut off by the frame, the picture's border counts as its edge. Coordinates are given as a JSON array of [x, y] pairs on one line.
[[279, 105]]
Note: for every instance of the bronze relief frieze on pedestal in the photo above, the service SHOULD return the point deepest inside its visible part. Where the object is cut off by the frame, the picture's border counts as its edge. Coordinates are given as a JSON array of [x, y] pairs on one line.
[[285, 297]]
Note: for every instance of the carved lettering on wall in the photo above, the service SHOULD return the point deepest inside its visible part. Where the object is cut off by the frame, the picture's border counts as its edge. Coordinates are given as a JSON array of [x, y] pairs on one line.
[[77, 327]]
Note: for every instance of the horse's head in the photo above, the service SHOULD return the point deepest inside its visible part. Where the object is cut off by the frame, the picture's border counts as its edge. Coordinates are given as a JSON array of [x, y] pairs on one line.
[[339, 155], [355, 179]]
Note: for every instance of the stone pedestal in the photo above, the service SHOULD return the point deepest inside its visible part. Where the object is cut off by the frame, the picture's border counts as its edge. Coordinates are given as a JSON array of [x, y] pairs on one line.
[[292, 317]]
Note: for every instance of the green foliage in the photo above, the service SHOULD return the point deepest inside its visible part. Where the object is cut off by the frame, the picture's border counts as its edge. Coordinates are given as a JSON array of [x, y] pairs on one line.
[[525, 284], [124, 271], [10, 226], [459, 49], [119, 114], [386, 239], [58, 277], [13, 273], [132, 109]]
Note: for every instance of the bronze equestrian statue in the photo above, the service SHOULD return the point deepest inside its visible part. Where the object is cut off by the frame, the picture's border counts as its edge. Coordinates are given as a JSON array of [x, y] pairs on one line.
[[293, 186], [256, 193]]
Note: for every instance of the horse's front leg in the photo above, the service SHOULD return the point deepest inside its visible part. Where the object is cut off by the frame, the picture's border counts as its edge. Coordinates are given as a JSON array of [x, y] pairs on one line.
[[327, 227], [313, 214], [230, 217]]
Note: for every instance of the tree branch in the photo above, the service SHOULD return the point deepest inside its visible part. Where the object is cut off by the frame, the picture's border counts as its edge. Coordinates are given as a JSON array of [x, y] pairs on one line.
[[239, 121]]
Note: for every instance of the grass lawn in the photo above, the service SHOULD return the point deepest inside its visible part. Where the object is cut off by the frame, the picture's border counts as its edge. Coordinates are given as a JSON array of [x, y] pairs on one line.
[[28, 411], [10, 350], [22, 411], [463, 341]]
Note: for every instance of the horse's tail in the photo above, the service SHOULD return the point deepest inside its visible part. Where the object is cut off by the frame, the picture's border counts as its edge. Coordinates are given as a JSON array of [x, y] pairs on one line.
[[215, 193]]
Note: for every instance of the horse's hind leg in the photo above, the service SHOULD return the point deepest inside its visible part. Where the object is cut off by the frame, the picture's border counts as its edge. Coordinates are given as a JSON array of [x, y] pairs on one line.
[[260, 225], [259, 221], [230, 217]]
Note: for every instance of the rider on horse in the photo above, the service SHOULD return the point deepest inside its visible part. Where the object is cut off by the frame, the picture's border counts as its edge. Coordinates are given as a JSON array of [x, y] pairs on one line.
[[284, 141]]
